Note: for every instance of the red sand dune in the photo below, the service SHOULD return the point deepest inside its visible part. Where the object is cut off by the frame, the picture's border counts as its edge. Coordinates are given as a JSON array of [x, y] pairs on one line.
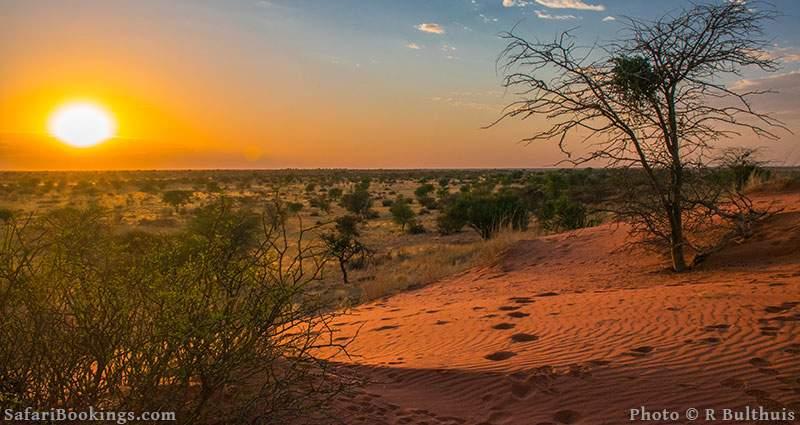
[[570, 329]]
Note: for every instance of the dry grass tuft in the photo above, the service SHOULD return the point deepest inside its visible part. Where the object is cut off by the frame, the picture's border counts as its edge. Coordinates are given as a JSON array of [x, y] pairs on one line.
[[416, 266]]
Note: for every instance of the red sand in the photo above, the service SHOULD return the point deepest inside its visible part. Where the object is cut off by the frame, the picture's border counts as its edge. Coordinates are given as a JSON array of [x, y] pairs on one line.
[[571, 329]]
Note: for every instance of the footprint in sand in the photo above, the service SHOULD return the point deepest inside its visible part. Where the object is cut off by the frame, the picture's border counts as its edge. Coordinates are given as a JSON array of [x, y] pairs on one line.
[[509, 308], [441, 322], [523, 337], [640, 351], [500, 355], [793, 349], [386, 328], [733, 383], [566, 416], [781, 308], [521, 300], [719, 328], [517, 314], [547, 294], [503, 326], [769, 330]]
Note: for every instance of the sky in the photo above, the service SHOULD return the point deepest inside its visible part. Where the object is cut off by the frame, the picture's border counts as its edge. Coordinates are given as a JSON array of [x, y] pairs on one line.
[[307, 84]]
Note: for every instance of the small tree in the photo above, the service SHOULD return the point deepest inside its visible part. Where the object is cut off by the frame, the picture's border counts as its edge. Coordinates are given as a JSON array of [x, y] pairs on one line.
[[343, 245], [294, 207], [486, 213], [6, 214], [322, 203], [402, 213], [740, 165], [423, 193], [177, 198], [335, 193], [653, 101], [358, 202]]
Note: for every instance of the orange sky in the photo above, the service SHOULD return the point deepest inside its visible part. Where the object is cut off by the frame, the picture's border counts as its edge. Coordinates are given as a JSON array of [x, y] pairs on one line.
[[261, 85]]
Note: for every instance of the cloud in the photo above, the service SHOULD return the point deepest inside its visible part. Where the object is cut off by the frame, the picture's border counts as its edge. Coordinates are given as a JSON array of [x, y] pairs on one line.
[[781, 99], [609, 18], [785, 54], [518, 3], [789, 81], [431, 28], [543, 15], [794, 57], [571, 4], [487, 19], [413, 46]]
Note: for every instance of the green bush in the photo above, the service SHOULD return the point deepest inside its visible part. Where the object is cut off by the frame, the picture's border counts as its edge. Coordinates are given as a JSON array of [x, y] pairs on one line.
[[402, 213], [561, 214], [294, 207], [177, 198], [416, 228], [486, 213], [358, 202], [180, 322], [343, 244]]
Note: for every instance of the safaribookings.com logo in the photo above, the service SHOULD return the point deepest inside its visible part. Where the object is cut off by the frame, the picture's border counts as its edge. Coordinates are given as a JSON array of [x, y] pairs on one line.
[[748, 413], [90, 415]]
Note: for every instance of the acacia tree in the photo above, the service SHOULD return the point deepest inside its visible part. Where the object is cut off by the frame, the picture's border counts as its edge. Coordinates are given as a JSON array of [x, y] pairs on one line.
[[654, 100]]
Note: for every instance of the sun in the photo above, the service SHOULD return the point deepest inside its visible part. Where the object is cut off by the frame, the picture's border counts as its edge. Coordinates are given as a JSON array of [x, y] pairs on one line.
[[82, 124]]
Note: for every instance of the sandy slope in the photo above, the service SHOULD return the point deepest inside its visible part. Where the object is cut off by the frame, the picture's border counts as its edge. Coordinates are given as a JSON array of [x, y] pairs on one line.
[[570, 329]]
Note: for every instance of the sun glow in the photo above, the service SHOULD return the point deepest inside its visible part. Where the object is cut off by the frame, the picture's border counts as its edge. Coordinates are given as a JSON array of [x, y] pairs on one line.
[[82, 124]]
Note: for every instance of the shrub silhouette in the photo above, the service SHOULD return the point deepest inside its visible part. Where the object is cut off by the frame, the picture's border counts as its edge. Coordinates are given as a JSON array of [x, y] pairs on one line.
[[342, 244], [177, 198]]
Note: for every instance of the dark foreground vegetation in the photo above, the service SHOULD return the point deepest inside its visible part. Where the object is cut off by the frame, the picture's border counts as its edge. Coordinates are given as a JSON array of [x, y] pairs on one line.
[[214, 321]]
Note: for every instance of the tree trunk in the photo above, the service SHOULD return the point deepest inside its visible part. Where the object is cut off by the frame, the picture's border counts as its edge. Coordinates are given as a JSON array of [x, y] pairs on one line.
[[676, 193], [343, 267], [676, 238]]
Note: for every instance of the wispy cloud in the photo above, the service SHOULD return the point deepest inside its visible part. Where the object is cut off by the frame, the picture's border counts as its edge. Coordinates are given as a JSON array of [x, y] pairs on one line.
[[785, 54], [777, 82], [413, 46], [481, 101], [487, 19], [543, 15], [609, 18], [518, 3], [571, 4], [431, 28]]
